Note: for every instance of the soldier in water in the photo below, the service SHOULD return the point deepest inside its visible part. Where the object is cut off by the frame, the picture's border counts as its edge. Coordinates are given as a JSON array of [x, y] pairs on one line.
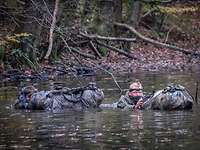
[[173, 97], [60, 98], [133, 99]]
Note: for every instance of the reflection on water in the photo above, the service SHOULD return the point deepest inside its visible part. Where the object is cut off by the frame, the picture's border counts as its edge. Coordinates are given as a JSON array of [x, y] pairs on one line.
[[106, 129]]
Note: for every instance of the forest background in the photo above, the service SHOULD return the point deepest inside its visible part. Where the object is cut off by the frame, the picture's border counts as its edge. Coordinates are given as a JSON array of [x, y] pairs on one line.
[[113, 35]]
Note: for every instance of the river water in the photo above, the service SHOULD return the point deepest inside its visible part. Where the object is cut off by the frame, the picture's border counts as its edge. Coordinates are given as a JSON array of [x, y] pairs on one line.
[[101, 129]]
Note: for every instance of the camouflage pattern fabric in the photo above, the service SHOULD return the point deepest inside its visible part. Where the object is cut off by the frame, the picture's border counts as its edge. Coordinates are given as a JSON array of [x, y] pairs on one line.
[[78, 98], [171, 98], [124, 103], [174, 97]]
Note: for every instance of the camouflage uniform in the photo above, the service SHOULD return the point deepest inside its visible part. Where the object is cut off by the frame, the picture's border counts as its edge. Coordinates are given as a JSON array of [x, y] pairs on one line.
[[132, 97], [79, 98], [125, 102], [174, 97], [130, 100]]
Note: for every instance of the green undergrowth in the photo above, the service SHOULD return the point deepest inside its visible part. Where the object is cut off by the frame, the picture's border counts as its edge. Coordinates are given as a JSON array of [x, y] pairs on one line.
[[17, 50], [181, 18]]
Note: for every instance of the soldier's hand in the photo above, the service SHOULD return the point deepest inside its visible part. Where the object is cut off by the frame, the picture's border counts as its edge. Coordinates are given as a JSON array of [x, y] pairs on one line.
[[139, 104]]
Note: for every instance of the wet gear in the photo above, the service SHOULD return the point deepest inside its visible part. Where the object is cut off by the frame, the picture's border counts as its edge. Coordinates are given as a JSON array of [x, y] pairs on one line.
[[60, 98], [174, 97]]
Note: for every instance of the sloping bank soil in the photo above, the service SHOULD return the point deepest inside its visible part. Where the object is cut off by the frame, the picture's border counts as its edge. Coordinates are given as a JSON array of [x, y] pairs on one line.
[[181, 28], [149, 59]]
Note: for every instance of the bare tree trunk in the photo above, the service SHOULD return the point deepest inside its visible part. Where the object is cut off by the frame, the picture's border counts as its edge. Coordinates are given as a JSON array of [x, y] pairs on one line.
[[135, 12], [87, 11], [52, 30], [105, 17], [134, 15], [117, 12], [71, 15]]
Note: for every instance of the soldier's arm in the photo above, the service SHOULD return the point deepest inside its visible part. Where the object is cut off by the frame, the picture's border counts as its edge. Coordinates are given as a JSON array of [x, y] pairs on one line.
[[123, 104]]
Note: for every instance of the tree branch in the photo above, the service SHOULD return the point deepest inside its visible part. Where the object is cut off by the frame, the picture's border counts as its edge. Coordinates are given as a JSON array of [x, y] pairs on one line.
[[70, 50], [82, 54], [154, 42], [116, 50], [95, 49], [98, 37], [110, 73]]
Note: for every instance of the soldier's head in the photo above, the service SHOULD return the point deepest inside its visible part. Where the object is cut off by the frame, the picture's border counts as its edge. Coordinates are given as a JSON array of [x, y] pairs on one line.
[[28, 91], [25, 96], [135, 91]]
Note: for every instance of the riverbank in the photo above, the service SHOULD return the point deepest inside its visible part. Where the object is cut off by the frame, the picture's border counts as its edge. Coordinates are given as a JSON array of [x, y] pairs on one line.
[[152, 59], [179, 27]]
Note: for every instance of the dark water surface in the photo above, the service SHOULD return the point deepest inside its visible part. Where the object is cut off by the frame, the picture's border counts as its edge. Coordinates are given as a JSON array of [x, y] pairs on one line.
[[106, 129]]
